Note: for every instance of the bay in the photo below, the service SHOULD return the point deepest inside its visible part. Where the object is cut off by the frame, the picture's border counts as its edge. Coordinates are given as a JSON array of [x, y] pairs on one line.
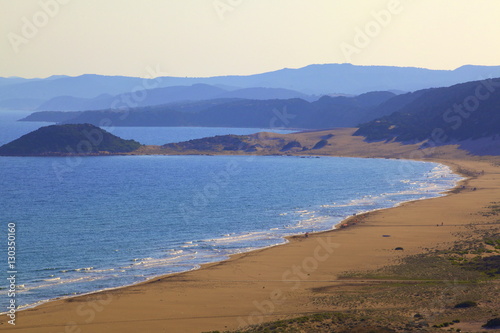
[[117, 220]]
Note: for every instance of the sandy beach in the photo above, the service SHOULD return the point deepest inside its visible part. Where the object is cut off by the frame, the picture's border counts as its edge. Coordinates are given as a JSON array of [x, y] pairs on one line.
[[287, 281]]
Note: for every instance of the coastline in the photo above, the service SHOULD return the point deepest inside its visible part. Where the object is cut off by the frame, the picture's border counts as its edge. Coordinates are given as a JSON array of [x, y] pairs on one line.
[[188, 296], [345, 221]]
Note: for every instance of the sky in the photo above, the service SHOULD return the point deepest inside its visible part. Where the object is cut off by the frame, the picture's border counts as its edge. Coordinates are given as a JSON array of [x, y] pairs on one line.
[[200, 38]]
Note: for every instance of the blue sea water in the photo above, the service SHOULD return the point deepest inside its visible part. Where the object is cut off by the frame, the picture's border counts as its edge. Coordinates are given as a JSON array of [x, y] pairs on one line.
[[112, 221], [12, 129]]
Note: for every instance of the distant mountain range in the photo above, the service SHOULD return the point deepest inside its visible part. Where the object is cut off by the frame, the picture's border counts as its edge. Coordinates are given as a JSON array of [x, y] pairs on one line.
[[466, 113], [90, 91], [326, 112], [166, 95]]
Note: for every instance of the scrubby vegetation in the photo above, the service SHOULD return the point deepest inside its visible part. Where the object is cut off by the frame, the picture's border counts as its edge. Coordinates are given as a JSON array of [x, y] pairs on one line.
[[320, 144], [319, 322], [215, 143], [436, 291], [466, 304], [290, 145], [492, 323], [439, 115]]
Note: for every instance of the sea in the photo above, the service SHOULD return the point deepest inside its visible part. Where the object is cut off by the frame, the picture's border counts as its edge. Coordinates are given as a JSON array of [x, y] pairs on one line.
[[85, 224]]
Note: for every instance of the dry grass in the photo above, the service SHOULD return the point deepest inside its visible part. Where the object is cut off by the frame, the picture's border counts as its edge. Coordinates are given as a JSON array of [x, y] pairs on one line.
[[418, 294]]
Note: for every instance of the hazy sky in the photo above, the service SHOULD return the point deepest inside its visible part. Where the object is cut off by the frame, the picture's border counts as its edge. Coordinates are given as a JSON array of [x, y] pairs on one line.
[[218, 37]]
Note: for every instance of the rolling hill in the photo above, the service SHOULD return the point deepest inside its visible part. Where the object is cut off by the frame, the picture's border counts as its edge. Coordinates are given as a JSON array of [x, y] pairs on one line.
[[467, 111], [56, 140]]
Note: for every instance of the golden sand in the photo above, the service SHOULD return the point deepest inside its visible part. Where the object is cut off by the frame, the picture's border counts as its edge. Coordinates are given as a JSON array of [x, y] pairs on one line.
[[279, 282]]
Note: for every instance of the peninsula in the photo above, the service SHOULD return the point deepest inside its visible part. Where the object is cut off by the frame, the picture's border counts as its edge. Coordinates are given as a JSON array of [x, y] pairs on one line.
[[71, 139]]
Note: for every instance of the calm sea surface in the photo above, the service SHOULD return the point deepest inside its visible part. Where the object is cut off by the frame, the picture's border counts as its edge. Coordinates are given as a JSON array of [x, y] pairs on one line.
[[87, 224]]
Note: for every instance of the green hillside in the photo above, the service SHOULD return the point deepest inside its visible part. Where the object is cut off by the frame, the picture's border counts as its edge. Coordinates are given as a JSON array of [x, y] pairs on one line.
[[82, 139], [443, 115]]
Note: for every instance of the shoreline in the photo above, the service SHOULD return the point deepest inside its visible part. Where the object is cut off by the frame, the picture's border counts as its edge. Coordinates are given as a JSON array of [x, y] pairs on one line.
[[343, 223], [192, 291]]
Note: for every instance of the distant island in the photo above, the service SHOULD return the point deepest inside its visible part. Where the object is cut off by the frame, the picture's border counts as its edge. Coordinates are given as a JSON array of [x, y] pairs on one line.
[[71, 139]]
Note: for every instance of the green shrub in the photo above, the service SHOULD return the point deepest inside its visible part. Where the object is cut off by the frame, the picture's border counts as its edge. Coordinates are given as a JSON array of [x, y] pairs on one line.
[[492, 323], [466, 304]]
